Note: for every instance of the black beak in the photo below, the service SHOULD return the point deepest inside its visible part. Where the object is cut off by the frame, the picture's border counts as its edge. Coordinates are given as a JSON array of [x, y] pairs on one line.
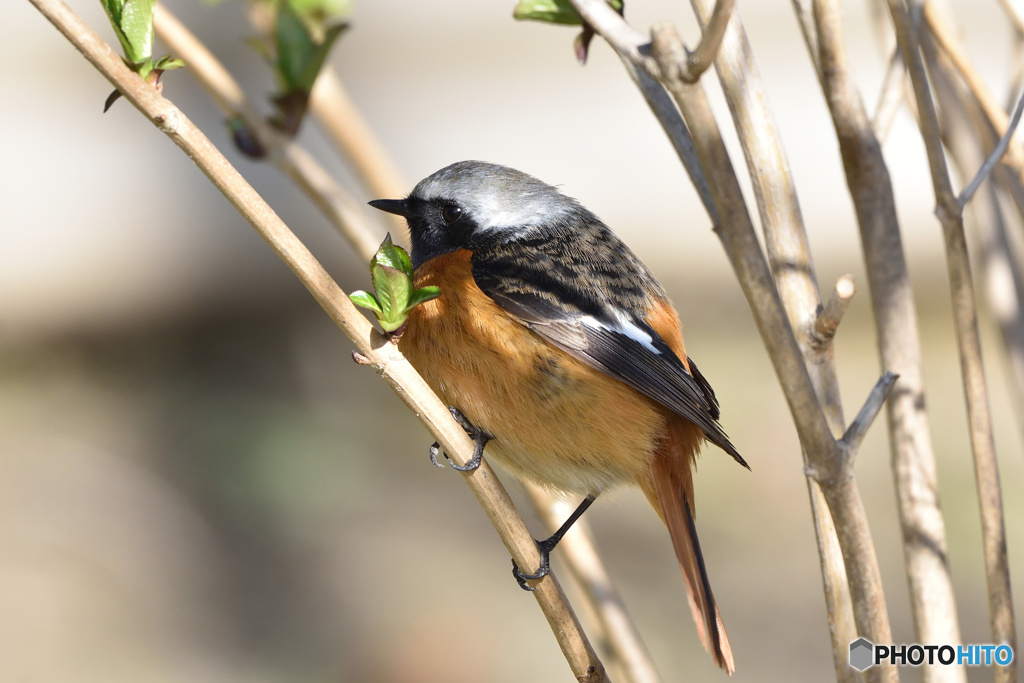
[[399, 207]]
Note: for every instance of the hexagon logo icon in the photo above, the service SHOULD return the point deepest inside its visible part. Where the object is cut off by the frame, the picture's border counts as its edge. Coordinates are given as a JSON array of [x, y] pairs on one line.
[[861, 654]]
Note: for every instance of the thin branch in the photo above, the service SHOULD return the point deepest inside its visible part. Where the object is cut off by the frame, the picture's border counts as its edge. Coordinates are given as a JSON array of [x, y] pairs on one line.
[[994, 158], [701, 58], [380, 354], [876, 399], [1017, 69], [986, 469], [967, 135], [805, 16], [939, 27]]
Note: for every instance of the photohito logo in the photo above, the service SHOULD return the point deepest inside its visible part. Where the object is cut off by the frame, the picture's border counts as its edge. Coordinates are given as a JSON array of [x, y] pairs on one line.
[[865, 654]]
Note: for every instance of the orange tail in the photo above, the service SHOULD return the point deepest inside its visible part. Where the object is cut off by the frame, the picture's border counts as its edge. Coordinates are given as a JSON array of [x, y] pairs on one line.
[[673, 486]]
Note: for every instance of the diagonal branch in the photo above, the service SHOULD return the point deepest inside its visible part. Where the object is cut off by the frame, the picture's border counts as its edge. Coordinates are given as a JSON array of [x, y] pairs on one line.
[[994, 158], [869, 411], [383, 356], [979, 417], [939, 28], [701, 58]]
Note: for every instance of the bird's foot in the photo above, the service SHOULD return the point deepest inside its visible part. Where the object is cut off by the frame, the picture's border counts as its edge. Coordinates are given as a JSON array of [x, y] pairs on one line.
[[545, 547], [480, 439]]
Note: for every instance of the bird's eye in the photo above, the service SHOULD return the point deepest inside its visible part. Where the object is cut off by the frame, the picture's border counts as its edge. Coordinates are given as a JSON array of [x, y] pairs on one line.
[[451, 213]]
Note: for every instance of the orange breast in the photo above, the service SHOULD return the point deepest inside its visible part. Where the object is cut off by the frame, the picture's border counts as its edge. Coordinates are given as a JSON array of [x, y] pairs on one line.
[[554, 419]]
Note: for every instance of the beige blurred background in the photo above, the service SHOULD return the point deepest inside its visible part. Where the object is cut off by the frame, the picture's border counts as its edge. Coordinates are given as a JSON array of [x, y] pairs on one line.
[[196, 482]]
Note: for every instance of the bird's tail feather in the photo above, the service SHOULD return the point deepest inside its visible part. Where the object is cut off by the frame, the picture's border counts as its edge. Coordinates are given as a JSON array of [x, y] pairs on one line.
[[674, 490]]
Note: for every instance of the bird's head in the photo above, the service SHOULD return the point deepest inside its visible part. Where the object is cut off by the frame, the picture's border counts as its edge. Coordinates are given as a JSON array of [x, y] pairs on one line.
[[474, 202]]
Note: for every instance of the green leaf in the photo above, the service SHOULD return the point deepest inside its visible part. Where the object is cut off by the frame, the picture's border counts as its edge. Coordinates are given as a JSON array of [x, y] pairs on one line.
[[393, 291], [316, 61], [322, 10], [168, 62], [391, 273], [554, 11], [551, 11], [422, 296], [132, 21], [295, 47], [113, 9], [137, 25], [393, 256], [365, 300]]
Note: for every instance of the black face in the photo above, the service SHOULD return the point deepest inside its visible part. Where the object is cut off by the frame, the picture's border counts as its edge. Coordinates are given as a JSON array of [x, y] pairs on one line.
[[436, 226]]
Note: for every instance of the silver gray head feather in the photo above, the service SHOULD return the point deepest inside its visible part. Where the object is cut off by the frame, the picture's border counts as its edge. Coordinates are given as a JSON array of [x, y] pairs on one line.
[[497, 198]]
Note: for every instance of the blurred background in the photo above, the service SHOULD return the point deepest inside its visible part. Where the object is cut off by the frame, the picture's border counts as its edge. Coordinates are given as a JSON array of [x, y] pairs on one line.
[[197, 483]]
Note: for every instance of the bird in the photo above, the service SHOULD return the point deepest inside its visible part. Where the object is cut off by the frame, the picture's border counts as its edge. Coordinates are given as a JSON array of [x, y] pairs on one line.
[[559, 351]]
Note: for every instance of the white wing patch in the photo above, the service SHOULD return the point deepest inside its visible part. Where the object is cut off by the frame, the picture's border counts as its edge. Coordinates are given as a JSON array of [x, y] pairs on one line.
[[625, 327]]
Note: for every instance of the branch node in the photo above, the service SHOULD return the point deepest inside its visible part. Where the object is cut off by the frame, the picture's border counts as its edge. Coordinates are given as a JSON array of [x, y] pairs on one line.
[[669, 53]]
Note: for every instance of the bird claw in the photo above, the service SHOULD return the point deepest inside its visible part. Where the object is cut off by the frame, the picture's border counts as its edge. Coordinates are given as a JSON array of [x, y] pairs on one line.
[[544, 547], [480, 439], [434, 448], [522, 577]]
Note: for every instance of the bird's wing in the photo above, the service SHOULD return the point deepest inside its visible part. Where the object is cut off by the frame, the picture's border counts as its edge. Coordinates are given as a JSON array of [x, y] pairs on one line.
[[617, 342]]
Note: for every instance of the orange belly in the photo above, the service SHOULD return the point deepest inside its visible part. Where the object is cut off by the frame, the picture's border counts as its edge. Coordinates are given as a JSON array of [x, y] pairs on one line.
[[554, 419]]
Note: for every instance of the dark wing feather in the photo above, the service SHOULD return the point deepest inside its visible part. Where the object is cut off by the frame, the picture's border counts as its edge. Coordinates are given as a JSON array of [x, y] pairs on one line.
[[585, 328]]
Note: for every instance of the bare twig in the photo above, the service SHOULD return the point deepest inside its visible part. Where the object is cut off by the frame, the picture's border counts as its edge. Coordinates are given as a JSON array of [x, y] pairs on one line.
[[963, 127], [924, 538], [330, 104], [994, 158], [859, 427], [979, 418], [828, 319], [1016, 70], [380, 354], [940, 28], [714, 31]]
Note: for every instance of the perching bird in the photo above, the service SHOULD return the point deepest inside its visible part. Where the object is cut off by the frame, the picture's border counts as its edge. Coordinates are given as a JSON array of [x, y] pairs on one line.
[[561, 351]]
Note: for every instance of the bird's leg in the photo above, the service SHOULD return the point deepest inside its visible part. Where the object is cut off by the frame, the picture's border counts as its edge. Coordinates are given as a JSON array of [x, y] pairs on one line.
[[479, 436], [548, 544]]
